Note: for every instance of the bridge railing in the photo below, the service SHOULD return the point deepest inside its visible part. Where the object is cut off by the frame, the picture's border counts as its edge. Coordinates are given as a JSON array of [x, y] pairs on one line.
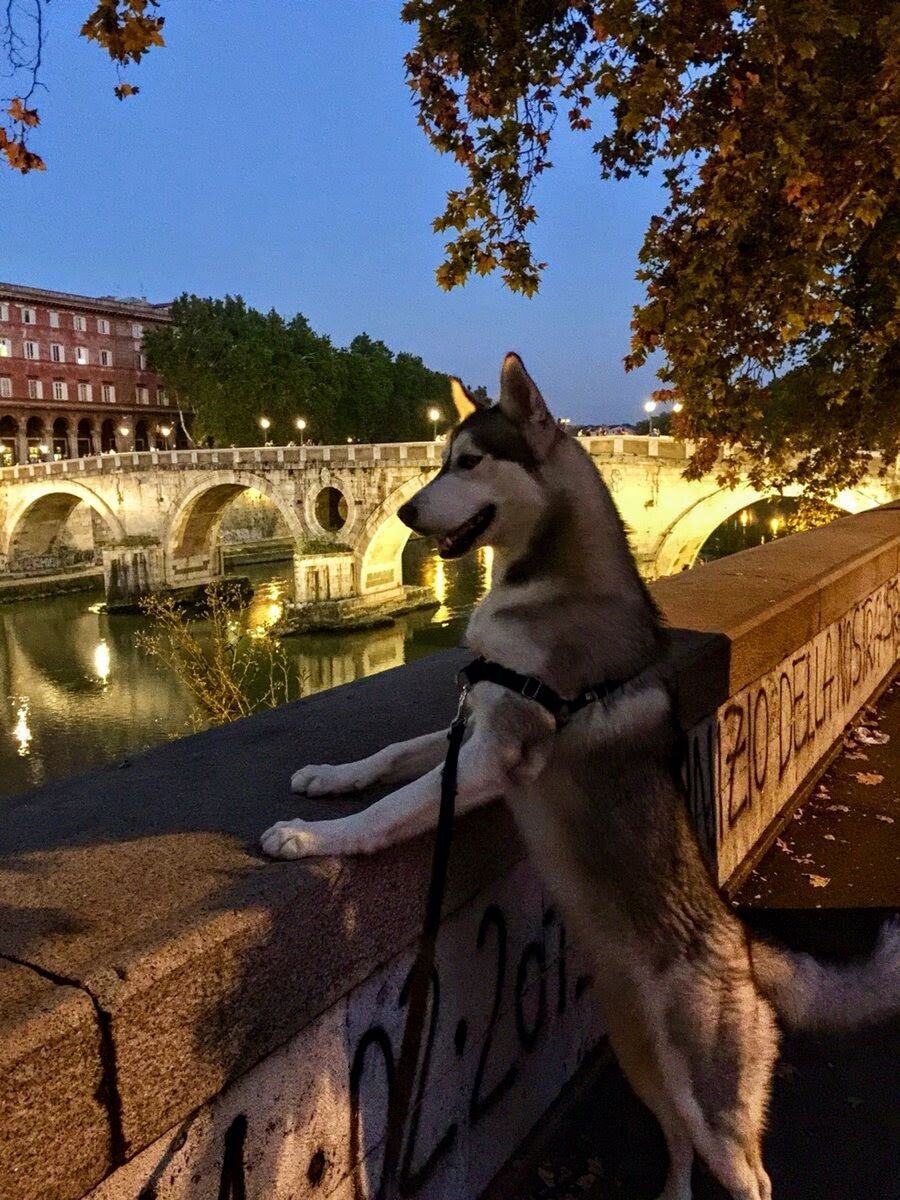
[[363, 454]]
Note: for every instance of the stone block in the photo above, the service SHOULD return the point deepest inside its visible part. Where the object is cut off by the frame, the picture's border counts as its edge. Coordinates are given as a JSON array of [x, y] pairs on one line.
[[54, 1089]]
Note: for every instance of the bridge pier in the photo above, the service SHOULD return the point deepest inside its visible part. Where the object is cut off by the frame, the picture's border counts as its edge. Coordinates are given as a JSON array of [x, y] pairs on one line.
[[327, 593], [132, 572]]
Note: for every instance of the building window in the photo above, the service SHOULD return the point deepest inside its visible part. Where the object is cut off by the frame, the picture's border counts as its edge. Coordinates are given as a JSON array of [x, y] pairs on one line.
[[108, 393], [35, 390], [137, 332], [82, 357], [142, 395], [29, 316], [85, 393], [4, 312], [31, 350], [60, 390], [57, 353], [79, 323], [5, 348], [106, 358], [102, 325], [5, 386], [161, 397], [54, 320]]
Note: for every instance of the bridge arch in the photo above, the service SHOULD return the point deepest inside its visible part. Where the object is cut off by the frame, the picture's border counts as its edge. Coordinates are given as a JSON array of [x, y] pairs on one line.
[[35, 523], [680, 543], [193, 525], [378, 553]]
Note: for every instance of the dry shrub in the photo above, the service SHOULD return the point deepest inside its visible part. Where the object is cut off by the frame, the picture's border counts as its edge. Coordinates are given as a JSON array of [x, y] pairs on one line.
[[230, 671]]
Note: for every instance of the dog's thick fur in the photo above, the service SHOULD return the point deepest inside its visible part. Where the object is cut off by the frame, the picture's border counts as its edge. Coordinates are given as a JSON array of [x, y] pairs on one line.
[[689, 997]]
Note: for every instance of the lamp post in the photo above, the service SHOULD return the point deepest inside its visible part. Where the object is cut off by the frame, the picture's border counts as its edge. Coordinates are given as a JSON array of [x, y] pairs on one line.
[[300, 422], [434, 415], [650, 409], [166, 432]]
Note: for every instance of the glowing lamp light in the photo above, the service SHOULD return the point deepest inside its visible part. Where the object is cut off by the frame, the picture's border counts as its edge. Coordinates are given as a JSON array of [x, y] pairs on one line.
[[300, 423], [124, 430], [265, 424], [434, 415], [44, 449], [677, 406], [165, 430], [649, 406]]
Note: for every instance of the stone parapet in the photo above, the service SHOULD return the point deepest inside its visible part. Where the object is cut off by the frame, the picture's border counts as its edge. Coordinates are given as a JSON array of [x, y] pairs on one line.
[[180, 1018]]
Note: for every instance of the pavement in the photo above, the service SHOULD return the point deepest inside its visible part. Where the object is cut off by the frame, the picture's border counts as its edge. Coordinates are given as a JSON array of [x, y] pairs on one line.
[[834, 1129]]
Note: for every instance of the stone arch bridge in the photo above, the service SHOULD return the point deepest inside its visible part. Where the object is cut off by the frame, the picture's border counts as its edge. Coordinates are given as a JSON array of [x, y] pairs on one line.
[[160, 511]]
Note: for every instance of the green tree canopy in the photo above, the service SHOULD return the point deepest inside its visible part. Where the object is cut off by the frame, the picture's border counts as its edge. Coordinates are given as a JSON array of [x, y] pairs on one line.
[[232, 365], [772, 281]]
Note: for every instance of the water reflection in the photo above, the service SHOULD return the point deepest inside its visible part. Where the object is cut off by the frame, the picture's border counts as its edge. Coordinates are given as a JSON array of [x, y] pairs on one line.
[[76, 691], [21, 732], [101, 661]]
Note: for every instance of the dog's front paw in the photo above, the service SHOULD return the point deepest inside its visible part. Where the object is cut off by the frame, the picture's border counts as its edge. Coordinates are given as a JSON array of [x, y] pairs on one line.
[[326, 781], [294, 839]]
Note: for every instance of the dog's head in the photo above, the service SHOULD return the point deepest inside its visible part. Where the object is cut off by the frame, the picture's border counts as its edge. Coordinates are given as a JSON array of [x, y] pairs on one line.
[[490, 489]]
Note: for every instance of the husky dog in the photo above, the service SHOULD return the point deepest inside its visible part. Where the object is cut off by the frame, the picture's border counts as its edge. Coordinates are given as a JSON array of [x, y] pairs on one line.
[[690, 997]]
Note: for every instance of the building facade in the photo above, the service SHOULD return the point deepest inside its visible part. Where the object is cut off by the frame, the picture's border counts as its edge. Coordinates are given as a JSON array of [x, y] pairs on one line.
[[74, 378]]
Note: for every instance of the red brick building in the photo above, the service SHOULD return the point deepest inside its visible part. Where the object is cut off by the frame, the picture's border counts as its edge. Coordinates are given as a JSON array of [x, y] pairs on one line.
[[74, 379]]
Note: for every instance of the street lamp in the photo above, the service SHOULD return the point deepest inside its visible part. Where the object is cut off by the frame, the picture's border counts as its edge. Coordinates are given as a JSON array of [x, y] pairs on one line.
[[301, 425], [166, 432], [677, 406], [265, 425], [650, 409], [124, 430], [434, 415]]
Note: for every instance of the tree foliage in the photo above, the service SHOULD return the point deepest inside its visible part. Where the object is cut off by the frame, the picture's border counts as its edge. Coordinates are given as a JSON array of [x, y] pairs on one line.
[[232, 365], [125, 29], [772, 282]]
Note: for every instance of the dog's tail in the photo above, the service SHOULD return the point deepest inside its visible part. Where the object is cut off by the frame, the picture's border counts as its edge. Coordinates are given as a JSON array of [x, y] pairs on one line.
[[808, 994]]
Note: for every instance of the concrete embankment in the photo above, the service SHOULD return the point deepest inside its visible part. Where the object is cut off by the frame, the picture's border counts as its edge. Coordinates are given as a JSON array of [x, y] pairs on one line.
[[181, 1019]]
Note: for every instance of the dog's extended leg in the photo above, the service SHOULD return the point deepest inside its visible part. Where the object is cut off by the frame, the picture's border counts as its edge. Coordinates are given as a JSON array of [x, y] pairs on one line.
[[681, 1158], [394, 764], [411, 810]]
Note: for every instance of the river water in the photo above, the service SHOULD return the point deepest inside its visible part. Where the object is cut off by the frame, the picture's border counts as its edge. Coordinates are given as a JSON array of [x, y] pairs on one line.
[[76, 691]]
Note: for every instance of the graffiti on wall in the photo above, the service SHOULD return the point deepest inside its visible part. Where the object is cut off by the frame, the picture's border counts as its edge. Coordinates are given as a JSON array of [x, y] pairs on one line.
[[746, 761], [509, 1018]]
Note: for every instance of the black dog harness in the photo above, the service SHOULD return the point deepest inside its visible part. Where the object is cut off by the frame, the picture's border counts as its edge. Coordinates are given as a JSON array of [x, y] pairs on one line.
[[532, 688], [419, 980]]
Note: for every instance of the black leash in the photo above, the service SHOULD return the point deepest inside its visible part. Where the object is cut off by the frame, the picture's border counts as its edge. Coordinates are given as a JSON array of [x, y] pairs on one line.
[[419, 979]]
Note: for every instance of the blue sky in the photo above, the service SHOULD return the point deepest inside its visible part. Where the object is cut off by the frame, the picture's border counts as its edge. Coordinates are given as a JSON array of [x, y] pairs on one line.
[[273, 152]]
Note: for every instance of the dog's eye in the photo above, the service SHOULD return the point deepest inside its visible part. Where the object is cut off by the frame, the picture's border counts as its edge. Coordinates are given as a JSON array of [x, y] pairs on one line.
[[466, 462]]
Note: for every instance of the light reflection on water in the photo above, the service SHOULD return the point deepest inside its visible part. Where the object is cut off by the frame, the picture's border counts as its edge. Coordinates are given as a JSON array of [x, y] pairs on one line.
[[76, 691]]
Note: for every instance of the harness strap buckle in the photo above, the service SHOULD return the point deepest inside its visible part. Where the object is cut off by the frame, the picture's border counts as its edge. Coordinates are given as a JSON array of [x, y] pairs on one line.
[[532, 688]]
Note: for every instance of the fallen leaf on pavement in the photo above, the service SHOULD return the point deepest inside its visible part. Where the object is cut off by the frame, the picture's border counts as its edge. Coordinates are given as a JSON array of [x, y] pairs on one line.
[[819, 880], [872, 737], [869, 777]]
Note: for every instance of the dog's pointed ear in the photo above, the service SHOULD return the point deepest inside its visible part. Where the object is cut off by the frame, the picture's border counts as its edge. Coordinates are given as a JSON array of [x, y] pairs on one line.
[[521, 401], [463, 400]]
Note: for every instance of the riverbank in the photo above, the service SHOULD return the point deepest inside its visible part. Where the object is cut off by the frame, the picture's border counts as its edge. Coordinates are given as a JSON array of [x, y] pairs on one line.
[[37, 587]]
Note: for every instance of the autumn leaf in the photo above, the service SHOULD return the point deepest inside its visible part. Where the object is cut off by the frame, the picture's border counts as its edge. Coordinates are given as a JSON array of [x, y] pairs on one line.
[[25, 116], [818, 881], [870, 778], [125, 89]]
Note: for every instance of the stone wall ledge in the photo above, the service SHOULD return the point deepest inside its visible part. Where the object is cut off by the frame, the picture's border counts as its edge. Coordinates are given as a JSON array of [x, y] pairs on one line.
[[149, 955]]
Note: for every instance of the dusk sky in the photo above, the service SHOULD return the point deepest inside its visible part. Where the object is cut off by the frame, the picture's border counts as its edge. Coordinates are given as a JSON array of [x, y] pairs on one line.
[[273, 152]]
